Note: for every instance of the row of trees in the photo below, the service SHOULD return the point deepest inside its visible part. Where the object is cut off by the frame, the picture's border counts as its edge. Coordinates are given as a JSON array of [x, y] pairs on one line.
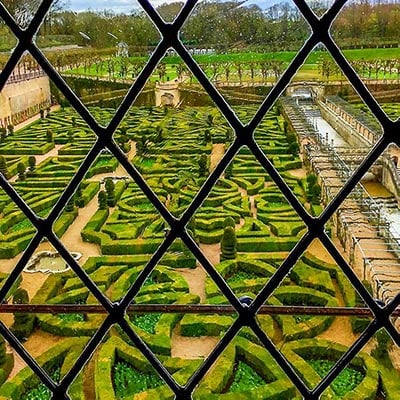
[[216, 24], [372, 69]]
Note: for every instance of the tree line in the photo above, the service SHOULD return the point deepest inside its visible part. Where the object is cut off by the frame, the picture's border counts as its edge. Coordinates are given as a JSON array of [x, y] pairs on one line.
[[220, 25]]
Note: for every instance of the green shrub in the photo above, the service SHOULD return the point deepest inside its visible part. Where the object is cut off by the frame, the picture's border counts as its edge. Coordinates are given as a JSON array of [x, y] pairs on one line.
[[110, 190], [228, 244], [3, 167], [24, 323], [21, 171], [102, 200], [203, 170], [49, 136], [229, 221]]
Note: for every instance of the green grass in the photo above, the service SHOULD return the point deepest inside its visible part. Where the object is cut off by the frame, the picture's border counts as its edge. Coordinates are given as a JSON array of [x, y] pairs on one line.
[[128, 380], [147, 322], [72, 317], [240, 275], [245, 378], [310, 69], [345, 382], [41, 391]]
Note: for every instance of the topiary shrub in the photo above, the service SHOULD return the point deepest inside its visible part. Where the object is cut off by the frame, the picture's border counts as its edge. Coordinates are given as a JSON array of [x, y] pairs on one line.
[[70, 134], [102, 200], [207, 136], [32, 165], [49, 136], [21, 171], [294, 148], [79, 200], [110, 191], [3, 134], [311, 180], [23, 322], [229, 221], [203, 165], [383, 341], [228, 244], [315, 194], [3, 167]]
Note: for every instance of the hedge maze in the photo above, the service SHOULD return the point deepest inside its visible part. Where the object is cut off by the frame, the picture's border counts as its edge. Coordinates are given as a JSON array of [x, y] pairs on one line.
[[245, 212]]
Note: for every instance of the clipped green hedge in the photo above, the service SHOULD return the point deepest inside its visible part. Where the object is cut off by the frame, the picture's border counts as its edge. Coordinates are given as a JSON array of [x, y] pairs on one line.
[[67, 350], [266, 244], [298, 352]]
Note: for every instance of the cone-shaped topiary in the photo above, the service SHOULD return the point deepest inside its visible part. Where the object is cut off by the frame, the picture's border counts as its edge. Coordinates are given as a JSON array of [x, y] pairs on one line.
[[32, 163], [24, 323], [203, 165], [49, 136], [102, 200], [110, 190], [229, 221], [228, 244], [21, 171]]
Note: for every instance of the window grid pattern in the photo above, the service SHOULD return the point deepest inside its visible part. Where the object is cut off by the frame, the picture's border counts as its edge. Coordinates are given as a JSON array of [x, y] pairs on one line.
[[244, 136]]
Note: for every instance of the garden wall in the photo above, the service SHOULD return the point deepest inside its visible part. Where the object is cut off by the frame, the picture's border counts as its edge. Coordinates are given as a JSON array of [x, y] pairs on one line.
[[20, 100]]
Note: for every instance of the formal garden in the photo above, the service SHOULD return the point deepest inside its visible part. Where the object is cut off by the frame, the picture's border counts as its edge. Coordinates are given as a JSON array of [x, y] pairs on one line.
[[245, 226]]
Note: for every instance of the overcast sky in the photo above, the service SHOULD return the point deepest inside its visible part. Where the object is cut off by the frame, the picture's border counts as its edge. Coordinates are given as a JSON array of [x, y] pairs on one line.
[[127, 5], [115, 5]]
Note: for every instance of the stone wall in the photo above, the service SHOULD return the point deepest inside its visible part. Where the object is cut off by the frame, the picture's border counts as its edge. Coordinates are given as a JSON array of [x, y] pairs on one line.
[[351, 130], [23, 99]]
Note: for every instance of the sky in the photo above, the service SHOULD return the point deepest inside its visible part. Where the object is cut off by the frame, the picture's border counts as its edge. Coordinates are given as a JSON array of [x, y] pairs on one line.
[[127, 5]]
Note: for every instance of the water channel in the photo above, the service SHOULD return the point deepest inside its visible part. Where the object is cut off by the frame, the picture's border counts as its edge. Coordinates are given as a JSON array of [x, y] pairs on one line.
[[375, 190]]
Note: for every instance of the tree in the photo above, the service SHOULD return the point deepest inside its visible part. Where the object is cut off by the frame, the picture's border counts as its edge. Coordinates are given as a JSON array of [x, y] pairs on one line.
[[10, 129], [24, 323], [162, 70], [228, 244]]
